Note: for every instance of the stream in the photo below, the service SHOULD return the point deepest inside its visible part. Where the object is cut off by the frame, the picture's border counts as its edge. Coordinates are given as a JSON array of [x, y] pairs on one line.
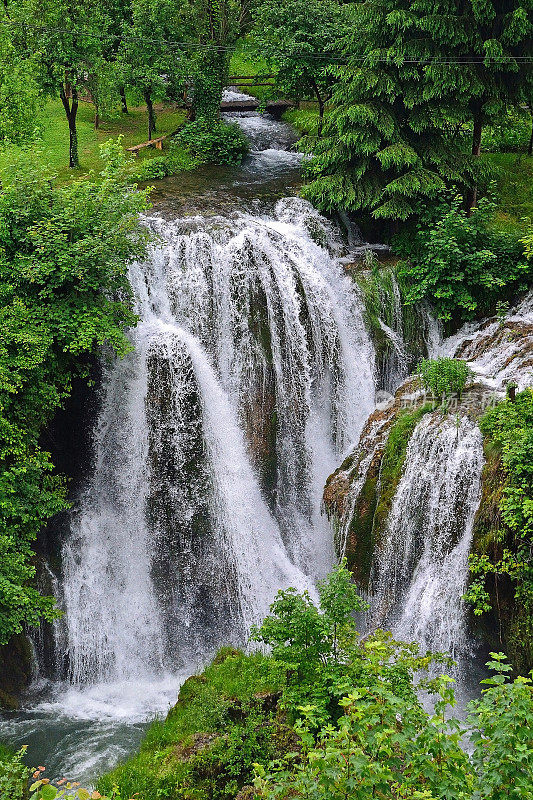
[[252, 374], [251, 378]]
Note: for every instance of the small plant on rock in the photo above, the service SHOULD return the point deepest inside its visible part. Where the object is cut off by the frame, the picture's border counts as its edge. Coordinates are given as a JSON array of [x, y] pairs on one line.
[[444, 376]]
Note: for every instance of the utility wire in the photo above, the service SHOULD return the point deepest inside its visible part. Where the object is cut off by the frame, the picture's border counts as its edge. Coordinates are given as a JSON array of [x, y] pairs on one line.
[[207, 47]]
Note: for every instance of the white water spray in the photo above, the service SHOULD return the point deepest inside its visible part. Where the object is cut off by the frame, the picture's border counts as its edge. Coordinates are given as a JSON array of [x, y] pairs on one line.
[[251, 373], [421, 566]]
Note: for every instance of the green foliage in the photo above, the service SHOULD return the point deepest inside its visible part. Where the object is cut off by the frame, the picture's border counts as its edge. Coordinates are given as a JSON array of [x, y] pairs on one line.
[[409, 104], [444, 376], [462, 264], [299, 39], [63, 259], [209, 741], [62, 58], [386, 746], [213, 141], [385, 142], [509, 426], [13, 774], [145, 61], [510, 134], [175, 160], [359, 729], [502, 735], [18, 90]]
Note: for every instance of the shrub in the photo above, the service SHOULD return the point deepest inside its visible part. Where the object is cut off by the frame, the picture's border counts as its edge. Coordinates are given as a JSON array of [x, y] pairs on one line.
[[444, 376], [215, 142], [462, 265], [13, 775], [175, 160]]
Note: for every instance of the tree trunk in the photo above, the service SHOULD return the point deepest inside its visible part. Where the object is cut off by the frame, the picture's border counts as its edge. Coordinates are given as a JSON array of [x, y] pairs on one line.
[[320, 118], [96, 117], [321, 106], [151, 116], [471, 196], [71, 110], [123, 100]]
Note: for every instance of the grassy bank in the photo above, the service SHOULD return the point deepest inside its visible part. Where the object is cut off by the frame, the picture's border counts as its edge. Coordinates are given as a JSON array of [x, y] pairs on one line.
[[225, 720], [51, 146]]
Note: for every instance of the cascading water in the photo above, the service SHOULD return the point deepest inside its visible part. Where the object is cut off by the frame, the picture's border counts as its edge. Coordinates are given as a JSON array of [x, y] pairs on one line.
[[251, 373], [174, 548], [421, 565]]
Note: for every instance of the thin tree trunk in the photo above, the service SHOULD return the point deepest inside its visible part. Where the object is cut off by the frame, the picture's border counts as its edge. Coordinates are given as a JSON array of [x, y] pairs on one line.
[[321, 107], [471, 196], [71, 110], [151, 116], [123, 100]]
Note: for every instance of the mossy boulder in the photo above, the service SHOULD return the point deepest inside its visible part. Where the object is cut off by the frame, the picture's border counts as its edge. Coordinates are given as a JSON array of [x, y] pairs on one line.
[[358, 496]]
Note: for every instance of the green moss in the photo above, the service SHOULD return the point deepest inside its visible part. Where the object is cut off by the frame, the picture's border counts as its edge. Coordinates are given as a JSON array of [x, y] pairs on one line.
[[393, 462], [375, 498], [183, 755], [360, 548]]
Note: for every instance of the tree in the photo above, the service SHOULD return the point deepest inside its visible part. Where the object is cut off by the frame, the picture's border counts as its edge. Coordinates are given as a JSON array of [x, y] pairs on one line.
[[300, 39], [18, 90], [388, 141], [148, 61], [68, 38], [478, 50], [64, 253], [217, 25], [417, 77]]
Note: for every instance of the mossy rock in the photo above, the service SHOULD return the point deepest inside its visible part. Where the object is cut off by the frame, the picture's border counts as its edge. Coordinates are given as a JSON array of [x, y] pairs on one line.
[[225, 653]]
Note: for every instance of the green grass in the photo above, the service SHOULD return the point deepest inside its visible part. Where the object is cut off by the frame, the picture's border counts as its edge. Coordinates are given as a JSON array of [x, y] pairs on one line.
[[514, 188], [53, 143], [208, 703], [244, 63], [304, 119]]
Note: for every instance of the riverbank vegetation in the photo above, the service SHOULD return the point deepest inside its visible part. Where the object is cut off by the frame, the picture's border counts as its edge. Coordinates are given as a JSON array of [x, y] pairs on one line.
[[326, 715], [416, 118], [64, 254]]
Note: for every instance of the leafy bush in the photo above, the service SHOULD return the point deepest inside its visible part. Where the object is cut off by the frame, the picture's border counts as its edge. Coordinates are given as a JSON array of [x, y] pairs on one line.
[[176, 160], [64, 254], [213, 141], [13, 775], [387, 746], [462, 265], [444, 376]]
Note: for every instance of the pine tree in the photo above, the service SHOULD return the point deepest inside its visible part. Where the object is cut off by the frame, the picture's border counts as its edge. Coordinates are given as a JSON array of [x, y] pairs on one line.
[[418, 76]]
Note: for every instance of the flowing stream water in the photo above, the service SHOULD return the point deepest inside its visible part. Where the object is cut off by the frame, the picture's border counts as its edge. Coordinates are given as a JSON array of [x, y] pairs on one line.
[[251, 374]]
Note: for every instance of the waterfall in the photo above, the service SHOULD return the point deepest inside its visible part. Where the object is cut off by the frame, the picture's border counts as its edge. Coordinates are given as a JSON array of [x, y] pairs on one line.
[[251, 373], [421, 564]]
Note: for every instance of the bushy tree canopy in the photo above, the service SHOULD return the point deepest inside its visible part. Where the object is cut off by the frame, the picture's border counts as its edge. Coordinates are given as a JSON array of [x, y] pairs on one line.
[[64, 253]]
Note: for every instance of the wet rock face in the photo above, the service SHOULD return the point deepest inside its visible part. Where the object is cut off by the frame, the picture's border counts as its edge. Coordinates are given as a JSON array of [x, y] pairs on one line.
[[358, 496], [16, 671], [188, 564], [499, 350]]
